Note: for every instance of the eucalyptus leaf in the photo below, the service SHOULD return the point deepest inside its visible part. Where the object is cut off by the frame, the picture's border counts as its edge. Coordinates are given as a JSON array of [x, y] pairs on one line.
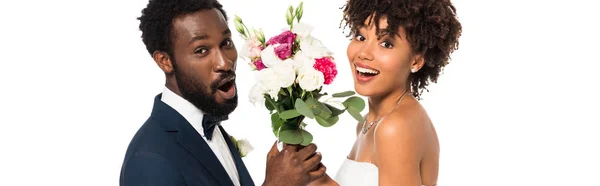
[[288, 114], [276, 123], [303, 109], [307, 138], [355, 102], [355, 113], [325, 112], [334, 110], [343, 94], [333, 120], [293, 137], [323, 122]]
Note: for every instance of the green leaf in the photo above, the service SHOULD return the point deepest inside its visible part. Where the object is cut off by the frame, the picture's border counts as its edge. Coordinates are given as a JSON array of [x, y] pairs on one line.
[[303, 124], [269, 103], [307, 138], [289, 114], [327, 122], [303, 109], [285, 103], [333, 120], [355, 102], [334, 111], [355, 113], [343, 94], [326, 113], [276, 123], [293, 137]]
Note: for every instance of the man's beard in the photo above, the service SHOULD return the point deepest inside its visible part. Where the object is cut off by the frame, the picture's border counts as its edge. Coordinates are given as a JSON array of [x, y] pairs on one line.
[[205, 100]]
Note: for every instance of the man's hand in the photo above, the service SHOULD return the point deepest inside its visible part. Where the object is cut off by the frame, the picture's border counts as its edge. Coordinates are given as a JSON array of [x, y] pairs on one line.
[[293, 167]]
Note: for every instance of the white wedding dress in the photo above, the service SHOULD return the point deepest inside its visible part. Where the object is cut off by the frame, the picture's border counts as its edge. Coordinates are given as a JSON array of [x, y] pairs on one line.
[[353, 173]]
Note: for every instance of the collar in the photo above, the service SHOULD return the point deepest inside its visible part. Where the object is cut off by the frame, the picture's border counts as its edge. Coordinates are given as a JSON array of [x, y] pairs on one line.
[[186, 109]]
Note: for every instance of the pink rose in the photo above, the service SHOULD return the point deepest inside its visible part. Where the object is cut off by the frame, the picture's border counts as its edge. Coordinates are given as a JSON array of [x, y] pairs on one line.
[[327, 67]]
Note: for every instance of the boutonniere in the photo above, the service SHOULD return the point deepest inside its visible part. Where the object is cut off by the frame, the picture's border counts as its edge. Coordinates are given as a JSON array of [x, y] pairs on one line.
[[243, 146]]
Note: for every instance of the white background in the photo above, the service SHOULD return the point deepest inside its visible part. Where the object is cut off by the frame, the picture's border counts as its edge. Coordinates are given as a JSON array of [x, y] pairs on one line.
[[518, 105]]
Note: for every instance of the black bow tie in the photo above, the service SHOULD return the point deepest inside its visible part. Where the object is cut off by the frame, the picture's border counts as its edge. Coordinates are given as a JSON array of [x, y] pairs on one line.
[[209, 122]]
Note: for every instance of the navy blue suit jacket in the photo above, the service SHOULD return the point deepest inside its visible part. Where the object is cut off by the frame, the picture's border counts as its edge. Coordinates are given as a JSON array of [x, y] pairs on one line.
[[167, 150]]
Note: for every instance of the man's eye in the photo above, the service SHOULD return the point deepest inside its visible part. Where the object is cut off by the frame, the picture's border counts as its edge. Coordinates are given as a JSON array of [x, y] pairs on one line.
[[227, 43], [201, 51]]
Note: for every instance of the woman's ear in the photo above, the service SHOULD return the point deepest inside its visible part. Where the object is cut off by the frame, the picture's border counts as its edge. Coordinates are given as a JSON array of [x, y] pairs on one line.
[[417, 63]]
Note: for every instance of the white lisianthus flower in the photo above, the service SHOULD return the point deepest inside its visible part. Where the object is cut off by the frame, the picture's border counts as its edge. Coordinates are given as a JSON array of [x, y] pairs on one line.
[[313, 48], [268, 79], [285, 73], [302, 29], [310, 79], [300, 60], [269, 57], [257, 94]]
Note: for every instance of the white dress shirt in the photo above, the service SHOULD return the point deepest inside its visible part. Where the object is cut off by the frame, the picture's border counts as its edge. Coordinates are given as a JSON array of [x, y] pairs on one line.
[[194, 116]]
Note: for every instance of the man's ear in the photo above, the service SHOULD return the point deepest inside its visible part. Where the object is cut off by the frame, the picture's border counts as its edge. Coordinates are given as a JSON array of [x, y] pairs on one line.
[[417, 63], [163, 60]]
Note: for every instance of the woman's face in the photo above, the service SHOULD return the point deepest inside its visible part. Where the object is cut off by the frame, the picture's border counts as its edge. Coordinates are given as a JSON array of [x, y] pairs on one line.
[[380, 66]]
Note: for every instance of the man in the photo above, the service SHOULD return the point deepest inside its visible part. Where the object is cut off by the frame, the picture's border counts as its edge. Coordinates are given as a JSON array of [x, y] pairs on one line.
[[182, 142]]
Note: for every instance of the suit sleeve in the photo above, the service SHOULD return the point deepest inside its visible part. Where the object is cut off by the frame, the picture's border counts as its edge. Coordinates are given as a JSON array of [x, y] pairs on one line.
[[150, 169]]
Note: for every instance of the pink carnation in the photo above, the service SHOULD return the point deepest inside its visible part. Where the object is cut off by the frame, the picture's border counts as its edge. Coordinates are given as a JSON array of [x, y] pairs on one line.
[[259, 64], [327, 67]]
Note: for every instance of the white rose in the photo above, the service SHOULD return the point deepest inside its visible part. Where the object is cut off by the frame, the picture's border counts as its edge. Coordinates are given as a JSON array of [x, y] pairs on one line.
[[285, 73], [269, 58], [302, 29], [245, 147], [268, 79], [313, 48], [310, 79]]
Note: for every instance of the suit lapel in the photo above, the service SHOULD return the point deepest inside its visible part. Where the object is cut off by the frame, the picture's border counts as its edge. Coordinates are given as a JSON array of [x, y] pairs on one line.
[[189, 139], [195, 144], [243, 173]]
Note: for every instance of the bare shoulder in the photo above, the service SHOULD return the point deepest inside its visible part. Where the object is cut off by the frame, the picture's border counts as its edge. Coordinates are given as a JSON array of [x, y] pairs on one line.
[[408, 126]]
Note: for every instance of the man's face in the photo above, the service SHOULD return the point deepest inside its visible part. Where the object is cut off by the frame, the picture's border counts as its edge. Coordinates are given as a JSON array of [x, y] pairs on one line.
[[204, 61]]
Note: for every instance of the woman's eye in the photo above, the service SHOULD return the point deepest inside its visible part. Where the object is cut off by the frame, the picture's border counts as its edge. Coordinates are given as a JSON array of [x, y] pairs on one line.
[[359, 37], [386, 45]]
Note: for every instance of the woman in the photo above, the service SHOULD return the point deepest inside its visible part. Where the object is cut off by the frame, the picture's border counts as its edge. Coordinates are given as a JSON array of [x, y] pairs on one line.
[[398, 47]]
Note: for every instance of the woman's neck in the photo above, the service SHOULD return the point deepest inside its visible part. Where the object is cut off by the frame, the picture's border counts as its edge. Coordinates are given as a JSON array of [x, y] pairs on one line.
[[382, 105]]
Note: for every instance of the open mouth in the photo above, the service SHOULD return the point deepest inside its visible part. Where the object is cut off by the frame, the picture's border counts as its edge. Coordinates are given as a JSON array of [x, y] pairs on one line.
[[364, 71], [227, 88]]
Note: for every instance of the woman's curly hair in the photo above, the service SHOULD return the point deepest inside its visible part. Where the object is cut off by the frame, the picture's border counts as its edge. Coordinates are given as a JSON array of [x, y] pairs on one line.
[[432, 30]]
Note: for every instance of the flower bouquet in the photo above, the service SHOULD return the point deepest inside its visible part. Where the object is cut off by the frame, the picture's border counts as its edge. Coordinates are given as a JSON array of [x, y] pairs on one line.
[[291, 70]]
